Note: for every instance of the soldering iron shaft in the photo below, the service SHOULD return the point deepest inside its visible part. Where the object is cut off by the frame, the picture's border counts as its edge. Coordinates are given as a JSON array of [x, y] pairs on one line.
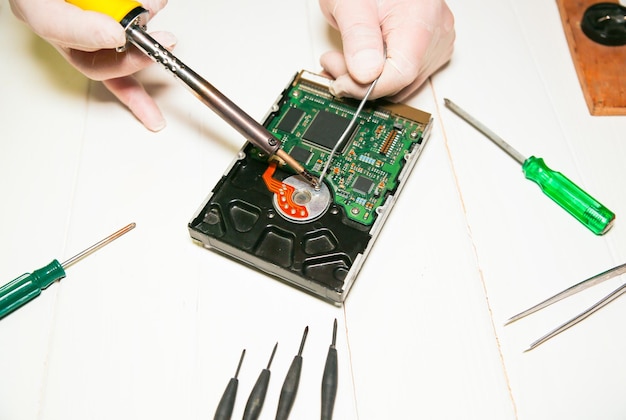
[[209, 95], [214, 99], [133, 17]]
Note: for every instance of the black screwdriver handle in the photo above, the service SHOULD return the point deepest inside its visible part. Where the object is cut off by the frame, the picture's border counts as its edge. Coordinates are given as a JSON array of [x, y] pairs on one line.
[[290, 387], [227, 402], [257, 396], [329, 384]]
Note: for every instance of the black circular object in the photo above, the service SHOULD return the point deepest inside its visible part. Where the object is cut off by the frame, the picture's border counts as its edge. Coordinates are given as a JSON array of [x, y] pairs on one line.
[[605, 23]]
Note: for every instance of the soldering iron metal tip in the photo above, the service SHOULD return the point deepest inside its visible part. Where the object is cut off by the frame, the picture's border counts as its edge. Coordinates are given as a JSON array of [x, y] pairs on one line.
[[301, 170], [311, 179]]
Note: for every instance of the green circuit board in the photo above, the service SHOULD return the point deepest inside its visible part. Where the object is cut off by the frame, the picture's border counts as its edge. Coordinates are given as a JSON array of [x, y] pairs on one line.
[[310, 121]]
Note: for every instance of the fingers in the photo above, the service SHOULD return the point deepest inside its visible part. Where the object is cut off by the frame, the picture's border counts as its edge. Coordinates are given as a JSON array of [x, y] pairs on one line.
[[154, 6], [418, 35], [68, 26], [109, 64], [88, 40], [115, 70], [132, 94], [408, 41], [358, 22]]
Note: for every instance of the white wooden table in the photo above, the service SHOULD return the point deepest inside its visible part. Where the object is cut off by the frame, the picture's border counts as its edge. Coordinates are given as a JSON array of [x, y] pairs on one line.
[[152, 326]]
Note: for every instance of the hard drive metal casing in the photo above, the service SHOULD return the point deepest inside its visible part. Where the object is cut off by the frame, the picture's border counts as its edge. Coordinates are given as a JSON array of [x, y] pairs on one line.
[[323, 251]]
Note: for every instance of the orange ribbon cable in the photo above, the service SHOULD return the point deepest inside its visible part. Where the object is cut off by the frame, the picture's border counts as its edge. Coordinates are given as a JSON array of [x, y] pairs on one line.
[[284, 194]]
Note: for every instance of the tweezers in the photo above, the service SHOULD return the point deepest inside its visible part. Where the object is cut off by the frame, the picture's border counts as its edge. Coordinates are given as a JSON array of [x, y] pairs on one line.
[[592, 281]]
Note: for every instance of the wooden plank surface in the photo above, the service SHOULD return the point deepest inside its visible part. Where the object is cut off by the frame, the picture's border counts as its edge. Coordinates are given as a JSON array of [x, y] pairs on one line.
[[600, 68]]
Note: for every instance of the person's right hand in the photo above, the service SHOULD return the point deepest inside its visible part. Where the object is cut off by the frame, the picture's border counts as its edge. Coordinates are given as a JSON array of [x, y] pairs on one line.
[[402, 41], [88, 41]]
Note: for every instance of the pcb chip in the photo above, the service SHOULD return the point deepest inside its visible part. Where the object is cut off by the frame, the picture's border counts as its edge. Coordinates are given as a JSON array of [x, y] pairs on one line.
[[300, 154], [326, 129], [290, 120], [363, 185]]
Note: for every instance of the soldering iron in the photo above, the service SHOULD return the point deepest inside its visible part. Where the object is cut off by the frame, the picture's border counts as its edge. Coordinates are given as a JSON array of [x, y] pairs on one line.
[[133, 17]]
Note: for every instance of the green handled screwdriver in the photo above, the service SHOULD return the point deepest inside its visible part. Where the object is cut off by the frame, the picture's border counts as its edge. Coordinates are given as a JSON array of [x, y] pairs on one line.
[[555, 185], [28, 286]]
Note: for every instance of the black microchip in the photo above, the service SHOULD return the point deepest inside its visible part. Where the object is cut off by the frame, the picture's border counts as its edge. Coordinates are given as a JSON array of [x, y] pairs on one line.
[[326, 129], [290, 120], [363, 185], [300, 154]]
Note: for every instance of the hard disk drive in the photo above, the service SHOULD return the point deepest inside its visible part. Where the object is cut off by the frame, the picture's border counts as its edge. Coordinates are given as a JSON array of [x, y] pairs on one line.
[[262, 214]]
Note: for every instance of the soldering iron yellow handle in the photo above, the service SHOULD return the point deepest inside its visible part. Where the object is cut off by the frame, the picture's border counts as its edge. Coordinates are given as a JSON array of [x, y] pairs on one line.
[[117, 9]]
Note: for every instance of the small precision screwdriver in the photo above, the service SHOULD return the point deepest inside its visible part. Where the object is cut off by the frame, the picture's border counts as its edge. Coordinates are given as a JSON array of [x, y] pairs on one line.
[[329, 379], [257, 395], [28, 286], [586, 209], [292, 380], [133, 17], [227, 402]]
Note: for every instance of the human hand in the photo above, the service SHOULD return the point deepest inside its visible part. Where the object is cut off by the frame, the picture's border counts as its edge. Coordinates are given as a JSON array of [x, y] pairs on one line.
[[403, 41], [87, 40]]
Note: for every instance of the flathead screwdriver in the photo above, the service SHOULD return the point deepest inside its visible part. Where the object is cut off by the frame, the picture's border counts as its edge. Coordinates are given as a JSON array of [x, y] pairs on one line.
[[257, 395], [290, 386], [227, 402], [586, 209], [330, 378], [28, 286]]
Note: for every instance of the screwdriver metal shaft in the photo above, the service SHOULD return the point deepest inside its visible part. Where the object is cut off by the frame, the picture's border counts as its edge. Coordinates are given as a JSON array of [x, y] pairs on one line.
[[227, 402], [28, 286], [586, 209], [290, 386], [330, 379], [257, 395]]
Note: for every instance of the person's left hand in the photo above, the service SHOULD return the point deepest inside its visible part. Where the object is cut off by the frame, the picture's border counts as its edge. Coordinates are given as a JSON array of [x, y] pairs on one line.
[[402, 41]]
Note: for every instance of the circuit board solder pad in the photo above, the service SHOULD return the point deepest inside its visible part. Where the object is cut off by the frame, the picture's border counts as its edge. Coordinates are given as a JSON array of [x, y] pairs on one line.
[[323, 252]]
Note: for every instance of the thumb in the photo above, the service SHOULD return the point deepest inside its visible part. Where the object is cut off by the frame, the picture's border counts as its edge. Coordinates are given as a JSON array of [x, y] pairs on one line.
[[359, 24]]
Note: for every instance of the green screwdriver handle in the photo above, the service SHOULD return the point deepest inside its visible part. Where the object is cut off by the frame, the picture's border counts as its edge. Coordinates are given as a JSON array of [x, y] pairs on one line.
[[28, 286], [568, 195]]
